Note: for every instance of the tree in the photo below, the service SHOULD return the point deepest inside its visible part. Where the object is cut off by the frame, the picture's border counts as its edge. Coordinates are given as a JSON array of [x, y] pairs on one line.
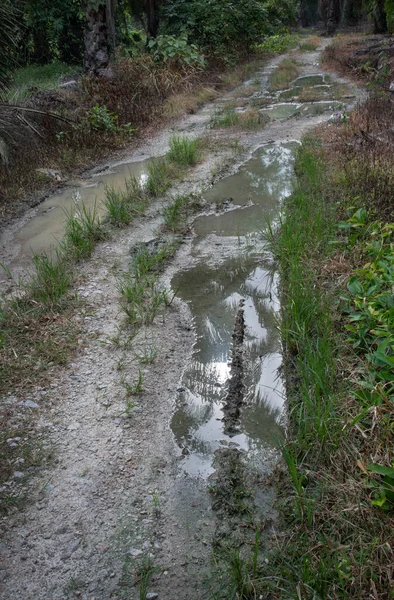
[[99, 36]]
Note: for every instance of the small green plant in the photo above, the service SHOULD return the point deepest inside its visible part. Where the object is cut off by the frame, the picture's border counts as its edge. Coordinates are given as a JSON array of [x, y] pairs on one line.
[[82, 231], [156, 502], [144, 573], [276, 44], [383, 489], [102, 119], [183, 150], [160, 176], [51, 278], [227, 117], [148, 356], [173, 216], [118, 207]]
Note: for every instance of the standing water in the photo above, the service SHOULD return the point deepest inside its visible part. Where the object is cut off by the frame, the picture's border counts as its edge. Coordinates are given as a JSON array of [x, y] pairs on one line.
[[233, 272]]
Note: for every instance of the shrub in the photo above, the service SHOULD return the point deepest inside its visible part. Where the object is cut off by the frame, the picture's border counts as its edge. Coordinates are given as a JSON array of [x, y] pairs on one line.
[[167, 47], [217, 25]]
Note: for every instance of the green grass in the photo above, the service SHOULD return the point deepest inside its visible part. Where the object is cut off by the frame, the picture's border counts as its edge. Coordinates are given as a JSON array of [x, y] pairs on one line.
[[184, 151], [82, 231], [161, 174], [276, 44], [227, 117], [44, 77], [338, 364], [141, 299], [285, 72], [124, 206], [51, 278], [174, 218]]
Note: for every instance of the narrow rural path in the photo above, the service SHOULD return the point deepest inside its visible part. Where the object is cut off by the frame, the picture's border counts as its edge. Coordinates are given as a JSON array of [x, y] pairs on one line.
[[117, 491]]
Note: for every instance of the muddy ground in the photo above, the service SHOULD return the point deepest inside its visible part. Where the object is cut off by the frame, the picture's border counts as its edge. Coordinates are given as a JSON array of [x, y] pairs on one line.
[[116, 492]]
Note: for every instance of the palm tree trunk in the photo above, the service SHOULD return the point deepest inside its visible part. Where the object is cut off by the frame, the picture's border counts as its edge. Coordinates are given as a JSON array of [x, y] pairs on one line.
[[99, 35]]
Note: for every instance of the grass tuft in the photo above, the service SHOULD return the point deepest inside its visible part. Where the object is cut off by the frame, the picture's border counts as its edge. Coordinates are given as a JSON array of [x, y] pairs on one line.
[[285, 72], [83, 230], [184, 151]]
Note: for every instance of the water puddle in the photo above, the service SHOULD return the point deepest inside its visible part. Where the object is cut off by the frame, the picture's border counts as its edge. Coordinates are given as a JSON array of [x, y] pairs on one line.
[[47, 226], [261, 182], [282, 110], [238, 272], [307, 80], [290, 109]]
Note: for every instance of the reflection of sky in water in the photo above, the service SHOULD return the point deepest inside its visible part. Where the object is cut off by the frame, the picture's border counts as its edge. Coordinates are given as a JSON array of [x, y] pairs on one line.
[[213, 294], [263, 181], [197, 421]]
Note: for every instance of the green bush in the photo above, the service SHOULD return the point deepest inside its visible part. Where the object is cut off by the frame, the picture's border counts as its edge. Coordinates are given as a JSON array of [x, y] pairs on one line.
[[167, 47], [214, 24]]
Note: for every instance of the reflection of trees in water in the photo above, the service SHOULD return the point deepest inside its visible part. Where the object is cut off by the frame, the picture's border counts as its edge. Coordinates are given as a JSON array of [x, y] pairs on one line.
[[214, 295]]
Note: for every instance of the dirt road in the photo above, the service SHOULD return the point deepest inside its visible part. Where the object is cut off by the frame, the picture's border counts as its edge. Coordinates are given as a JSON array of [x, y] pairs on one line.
[[130, 478]]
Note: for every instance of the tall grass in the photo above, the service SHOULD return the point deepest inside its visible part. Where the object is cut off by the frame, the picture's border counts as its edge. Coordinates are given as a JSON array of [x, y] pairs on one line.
[[325, 502], [184, 151], [51, 278], [82, 231]]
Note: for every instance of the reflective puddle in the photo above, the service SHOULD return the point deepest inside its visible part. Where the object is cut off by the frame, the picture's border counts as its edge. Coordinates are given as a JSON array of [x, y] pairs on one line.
[[292, 109], [244, 272], [47, 226]]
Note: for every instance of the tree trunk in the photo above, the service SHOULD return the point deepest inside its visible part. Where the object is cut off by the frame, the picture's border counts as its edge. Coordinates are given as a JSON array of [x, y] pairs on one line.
[[379, 17], [99, 35], [152, 17], [41, 53]]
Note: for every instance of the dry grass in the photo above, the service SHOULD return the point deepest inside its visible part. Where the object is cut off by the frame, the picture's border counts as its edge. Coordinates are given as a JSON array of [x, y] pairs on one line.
[[362, 58], [188, 102], [310, 44], [284, 74], [140, 92], [363, 154]]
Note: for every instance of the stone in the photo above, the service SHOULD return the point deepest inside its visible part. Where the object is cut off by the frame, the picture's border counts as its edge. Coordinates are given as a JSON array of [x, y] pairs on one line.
[[29, 404], [74, 426], [18, 474], [51, 174], [151, 596], [134, 552]]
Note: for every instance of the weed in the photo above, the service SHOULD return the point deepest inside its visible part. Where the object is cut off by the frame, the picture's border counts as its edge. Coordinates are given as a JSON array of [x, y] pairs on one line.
[[184, 151], [310, 45], [148, 356], [51, 278], [285, 72], [161, 174], [276, 44], [227, 117], [82, 231], [118, 207], [173, 216], [145, 572], [156, 503]]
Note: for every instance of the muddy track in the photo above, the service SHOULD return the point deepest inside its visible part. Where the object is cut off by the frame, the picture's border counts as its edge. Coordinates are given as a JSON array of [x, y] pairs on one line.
[[121, 488]]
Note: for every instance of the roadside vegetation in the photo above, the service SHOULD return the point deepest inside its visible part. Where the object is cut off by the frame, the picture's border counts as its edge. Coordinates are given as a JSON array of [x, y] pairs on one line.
[[334, 249]]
